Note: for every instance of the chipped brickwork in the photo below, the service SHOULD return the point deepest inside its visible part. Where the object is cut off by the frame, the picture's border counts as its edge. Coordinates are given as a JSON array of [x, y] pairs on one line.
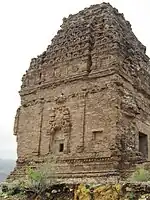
[[85, 99]]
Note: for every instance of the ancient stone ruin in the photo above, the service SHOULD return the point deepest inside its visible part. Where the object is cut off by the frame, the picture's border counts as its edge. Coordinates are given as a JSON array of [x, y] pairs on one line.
[[86, 100]]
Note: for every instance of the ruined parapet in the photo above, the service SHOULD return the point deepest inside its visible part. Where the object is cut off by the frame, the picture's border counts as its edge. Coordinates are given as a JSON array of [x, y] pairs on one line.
[[85, 100]]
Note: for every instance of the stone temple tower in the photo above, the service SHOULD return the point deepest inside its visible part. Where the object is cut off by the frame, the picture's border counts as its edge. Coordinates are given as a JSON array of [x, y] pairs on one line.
[[86, 99]]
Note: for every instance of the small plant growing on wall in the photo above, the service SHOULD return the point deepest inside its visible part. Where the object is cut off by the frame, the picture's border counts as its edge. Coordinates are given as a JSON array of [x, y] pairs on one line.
[[131, 196]]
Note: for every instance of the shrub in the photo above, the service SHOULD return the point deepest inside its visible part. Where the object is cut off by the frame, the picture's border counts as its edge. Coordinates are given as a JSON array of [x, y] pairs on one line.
[[38, 180], [36, 183], [34, 178], [140, 175]]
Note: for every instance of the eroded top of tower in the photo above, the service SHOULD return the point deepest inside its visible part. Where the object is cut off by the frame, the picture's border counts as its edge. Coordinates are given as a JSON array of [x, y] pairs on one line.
[[85, 38]]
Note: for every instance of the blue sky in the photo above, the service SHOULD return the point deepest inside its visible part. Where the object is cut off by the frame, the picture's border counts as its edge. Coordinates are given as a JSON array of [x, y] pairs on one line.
[[26, 28]]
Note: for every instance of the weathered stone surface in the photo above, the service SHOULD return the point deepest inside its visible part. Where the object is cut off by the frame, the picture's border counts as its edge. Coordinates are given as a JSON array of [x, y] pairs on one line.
[[86, 99]]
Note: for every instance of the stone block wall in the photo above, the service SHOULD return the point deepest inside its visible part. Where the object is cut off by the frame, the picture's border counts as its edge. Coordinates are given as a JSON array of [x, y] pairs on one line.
[[85, 100]]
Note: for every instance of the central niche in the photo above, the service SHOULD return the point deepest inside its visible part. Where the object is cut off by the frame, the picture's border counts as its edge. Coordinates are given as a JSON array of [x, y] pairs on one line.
[[58, 142], [60, 130]]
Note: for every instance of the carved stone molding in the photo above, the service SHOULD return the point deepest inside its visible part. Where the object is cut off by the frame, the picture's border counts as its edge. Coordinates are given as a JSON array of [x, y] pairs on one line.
[[60, 120], [61, 99]]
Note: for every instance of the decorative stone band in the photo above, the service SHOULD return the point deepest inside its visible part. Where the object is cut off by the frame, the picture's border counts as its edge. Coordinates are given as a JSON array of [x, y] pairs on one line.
[[88, 160], [96, 74]]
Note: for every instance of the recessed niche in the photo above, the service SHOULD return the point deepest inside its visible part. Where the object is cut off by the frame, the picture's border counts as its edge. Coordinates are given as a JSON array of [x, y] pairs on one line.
[[61, 147], [97, 134], [143, 144]]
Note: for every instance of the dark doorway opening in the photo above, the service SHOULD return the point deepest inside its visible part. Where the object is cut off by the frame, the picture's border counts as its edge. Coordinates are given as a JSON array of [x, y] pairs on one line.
[[61, 147], [143, 144]]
